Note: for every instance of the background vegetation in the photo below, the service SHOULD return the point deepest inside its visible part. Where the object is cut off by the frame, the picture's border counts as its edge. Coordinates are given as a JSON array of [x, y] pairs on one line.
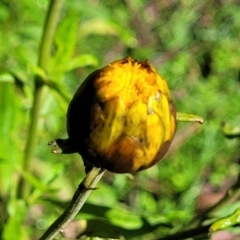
[[193, 44]]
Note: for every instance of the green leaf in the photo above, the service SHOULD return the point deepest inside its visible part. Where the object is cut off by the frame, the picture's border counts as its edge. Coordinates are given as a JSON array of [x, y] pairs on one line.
[[188, 117], [39, 72], [98, 26], [35, 182], [102, 229], [101, 21], [63, 59], [226, 222], [65, 39], [6, 77], [60, 89], [8, 123], [81, 61], [14, 228], [124, 218], [230, 131]]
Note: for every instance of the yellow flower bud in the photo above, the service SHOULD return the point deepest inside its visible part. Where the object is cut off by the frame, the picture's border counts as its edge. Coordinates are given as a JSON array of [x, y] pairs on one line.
[[122, 117]]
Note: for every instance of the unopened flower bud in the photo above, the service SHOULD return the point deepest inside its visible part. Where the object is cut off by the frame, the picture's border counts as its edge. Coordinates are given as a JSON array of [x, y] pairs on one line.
[[121, 118]]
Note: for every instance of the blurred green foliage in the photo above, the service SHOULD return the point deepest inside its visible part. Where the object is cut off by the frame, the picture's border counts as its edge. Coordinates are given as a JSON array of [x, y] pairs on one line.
[[193, 44]]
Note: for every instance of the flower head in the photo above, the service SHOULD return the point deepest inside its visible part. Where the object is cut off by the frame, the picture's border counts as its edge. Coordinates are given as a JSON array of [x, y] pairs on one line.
[[122, 117]]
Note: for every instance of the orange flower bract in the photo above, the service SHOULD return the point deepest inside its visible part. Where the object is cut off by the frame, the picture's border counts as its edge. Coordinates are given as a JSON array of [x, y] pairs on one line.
[[122, 117]]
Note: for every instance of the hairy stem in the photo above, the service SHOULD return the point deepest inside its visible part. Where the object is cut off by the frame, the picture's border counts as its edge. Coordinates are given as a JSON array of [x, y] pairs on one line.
[[43, 62], [79, 198]]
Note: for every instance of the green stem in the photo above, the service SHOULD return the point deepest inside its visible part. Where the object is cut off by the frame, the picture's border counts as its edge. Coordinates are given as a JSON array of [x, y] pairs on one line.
[[43, 62], [79, 198], [49, 32]]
